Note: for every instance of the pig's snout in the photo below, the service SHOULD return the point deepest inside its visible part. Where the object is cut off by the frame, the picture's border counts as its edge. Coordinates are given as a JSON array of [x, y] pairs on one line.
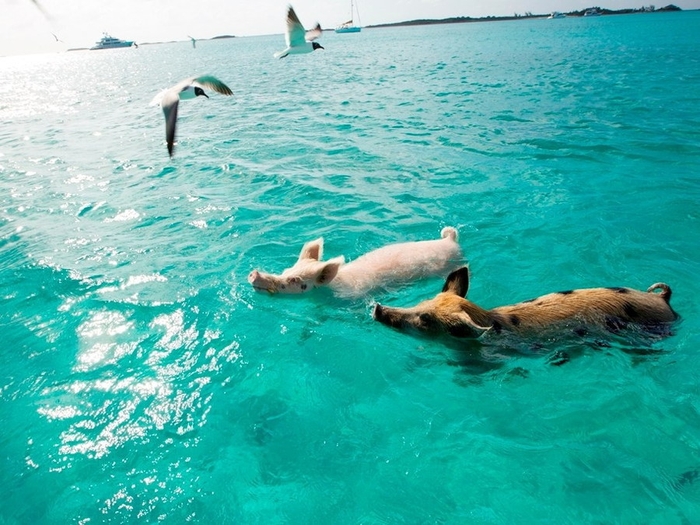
[[377, 311], [389, 316], [261, 282]]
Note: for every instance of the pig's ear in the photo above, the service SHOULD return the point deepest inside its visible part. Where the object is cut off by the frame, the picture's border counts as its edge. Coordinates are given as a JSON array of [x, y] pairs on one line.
[[466, 327], [458, 282], [329, 270], [312, 250]]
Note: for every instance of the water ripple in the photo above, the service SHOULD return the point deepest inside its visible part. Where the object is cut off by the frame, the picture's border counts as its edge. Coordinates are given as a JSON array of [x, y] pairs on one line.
[[144, 379]]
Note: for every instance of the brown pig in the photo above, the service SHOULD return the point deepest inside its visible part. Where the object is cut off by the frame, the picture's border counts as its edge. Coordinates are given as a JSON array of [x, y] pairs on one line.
[[579, 310]]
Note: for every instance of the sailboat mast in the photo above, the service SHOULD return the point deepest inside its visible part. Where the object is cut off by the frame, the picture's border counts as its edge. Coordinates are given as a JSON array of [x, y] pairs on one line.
[[351, 25]]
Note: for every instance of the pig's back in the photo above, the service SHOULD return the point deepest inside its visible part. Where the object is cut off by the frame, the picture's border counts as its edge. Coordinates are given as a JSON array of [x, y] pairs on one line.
[[399, 263]]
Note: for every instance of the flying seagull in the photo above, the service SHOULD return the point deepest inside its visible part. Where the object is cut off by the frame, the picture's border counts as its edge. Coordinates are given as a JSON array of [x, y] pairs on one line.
[[40, 8], [57, 39], [297, 38], [169, 100]]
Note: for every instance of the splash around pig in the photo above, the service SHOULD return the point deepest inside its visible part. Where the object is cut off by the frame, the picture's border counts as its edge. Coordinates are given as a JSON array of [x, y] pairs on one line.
[[579, 311], [391, 265]]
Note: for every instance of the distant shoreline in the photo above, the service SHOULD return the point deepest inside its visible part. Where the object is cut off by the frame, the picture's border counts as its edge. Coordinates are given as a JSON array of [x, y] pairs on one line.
[[525, 16], [466, 19]]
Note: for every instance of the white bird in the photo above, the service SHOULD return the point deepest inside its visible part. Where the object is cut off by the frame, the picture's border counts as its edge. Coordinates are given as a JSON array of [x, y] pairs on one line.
[[297, 38], [40, 8], [169, 99]]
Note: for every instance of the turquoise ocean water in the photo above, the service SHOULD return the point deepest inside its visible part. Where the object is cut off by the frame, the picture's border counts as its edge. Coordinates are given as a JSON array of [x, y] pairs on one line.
[[144, 380]]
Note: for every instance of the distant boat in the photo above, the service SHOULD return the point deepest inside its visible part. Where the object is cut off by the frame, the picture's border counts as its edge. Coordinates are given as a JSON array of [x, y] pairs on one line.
[[109, 42], [349, 26], [557, 14], [592, 12]]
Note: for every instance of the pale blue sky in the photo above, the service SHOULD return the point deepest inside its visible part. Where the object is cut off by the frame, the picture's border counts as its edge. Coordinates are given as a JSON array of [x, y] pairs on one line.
[[79, 23]]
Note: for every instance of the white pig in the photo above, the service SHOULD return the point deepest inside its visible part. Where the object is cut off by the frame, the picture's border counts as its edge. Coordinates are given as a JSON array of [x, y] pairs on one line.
[[386, 266]]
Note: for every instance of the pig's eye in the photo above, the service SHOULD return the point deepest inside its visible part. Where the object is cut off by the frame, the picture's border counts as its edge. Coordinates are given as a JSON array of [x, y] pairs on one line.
[[425, 319]]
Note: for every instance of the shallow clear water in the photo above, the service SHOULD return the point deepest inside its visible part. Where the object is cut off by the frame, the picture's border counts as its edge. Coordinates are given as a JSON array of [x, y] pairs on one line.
[[143, 379]]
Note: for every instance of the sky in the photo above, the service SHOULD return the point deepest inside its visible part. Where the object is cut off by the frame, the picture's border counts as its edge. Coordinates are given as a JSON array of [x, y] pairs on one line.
[[25, 29]]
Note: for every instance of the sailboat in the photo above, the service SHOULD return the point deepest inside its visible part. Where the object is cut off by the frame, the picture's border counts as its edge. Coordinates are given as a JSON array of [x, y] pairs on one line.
[[349, 26]]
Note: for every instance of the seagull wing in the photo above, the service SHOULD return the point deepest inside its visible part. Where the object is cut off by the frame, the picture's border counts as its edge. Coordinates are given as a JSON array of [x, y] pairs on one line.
[[296, 35], [169, 103], [40, 8], [158, 98], [314, 33], [213, 83]]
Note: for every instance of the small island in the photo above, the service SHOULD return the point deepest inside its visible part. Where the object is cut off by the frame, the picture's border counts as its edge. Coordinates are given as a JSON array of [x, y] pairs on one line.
[[516, 16]]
